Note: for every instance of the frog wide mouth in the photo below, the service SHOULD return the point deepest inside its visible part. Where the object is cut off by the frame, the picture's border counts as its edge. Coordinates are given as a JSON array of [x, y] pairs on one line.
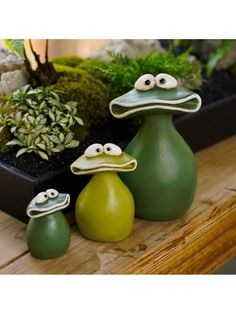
[[35, 210], [97, 164], [131, 103]]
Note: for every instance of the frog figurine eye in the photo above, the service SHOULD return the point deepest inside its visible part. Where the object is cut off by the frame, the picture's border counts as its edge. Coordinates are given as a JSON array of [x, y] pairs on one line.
[[145, 82], [112, 149], [52, 193], [165, 81], [41, 198], [93, 150]]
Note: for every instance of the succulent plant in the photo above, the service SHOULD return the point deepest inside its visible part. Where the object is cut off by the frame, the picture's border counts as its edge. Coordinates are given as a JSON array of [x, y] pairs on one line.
[[40, 122]]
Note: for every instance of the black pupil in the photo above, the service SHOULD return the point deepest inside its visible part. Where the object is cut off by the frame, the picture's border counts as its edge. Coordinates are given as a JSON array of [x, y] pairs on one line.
[[98, 150], [108, 149], [52, 194], [162, 81], [147, 82], [45, 195]]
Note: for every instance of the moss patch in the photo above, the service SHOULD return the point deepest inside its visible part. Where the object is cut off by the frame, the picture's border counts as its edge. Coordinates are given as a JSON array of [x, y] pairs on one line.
[[90, 93]]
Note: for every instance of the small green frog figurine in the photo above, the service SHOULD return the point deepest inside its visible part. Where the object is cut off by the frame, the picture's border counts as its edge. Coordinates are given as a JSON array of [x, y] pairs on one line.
[[105, 207], [48, 232]]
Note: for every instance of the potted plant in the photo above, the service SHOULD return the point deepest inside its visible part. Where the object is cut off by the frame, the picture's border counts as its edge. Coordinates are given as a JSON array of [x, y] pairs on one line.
[[86, 86]]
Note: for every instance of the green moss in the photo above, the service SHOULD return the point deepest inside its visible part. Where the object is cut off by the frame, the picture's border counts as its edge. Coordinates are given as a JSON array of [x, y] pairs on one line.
[[5, 137], [96, 67], [71, 61], [90, 94]]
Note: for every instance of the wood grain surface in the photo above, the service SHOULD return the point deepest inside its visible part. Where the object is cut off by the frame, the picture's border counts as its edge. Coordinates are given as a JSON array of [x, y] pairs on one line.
[[199, 242]]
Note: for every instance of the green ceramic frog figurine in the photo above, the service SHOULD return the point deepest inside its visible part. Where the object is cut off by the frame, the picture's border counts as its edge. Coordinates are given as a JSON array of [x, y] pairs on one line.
[[48, 232], [165, 181], [105, 207]]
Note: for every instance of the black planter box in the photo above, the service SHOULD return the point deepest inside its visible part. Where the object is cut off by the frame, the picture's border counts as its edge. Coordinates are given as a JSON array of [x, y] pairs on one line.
[[211, 124]]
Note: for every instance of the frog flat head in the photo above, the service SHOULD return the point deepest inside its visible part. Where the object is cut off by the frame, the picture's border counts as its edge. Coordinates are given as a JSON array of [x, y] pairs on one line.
[[160, 94], [99, 158], [47, 202]]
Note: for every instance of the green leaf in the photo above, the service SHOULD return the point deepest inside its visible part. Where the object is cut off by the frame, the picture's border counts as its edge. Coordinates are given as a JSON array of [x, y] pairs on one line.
[[61, 137], [52, 115], [217, 55], [42, 105], [42, 146], [39, 127], [69, 138], [22, 130], [31, 119], [29, 139], [71, 105], [21, 151], [16, 45], [63, 121], [56, 96], [18, 117], [55, 150], [68, 108], [72, 144], [54, 139], [60, 147], [46, 139], [24, 89], [37, 141], [13, 129], [54, 102], [42, 154], [21, 138], [80, 121], [43, 121], [13, 142], [45, 130]]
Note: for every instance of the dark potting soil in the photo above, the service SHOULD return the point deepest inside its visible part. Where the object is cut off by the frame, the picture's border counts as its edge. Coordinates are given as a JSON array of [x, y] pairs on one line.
[[219, 86]]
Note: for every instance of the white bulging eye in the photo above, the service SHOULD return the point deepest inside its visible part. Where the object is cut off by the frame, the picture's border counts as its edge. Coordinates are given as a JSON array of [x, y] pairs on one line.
[[165, 81], [93, 150], [112, 149], [41, 198], [145, 82], [52, 193]]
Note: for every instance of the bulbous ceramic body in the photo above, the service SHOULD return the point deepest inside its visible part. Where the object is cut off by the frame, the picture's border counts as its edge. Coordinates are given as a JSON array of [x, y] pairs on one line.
[[164, 182], [48, 236], [105, 209]]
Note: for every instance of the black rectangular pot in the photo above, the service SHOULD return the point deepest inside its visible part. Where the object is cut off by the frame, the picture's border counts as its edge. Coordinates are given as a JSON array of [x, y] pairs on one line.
[[210, 125]]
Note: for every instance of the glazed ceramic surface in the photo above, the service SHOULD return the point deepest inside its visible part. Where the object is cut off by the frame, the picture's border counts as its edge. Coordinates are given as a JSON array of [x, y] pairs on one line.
[[48, 232], [105, 207], [164, 183]]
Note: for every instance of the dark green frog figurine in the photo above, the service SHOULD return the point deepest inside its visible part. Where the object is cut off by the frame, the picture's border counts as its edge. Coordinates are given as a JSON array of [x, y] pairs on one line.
[[48, 232], [164, 183]]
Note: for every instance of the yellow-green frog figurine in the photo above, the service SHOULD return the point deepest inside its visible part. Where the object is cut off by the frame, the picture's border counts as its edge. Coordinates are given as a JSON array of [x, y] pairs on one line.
[[105, 207]]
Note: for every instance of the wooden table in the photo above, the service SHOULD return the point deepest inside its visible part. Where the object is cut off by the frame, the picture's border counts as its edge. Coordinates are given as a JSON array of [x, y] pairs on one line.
[[199, 242]]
